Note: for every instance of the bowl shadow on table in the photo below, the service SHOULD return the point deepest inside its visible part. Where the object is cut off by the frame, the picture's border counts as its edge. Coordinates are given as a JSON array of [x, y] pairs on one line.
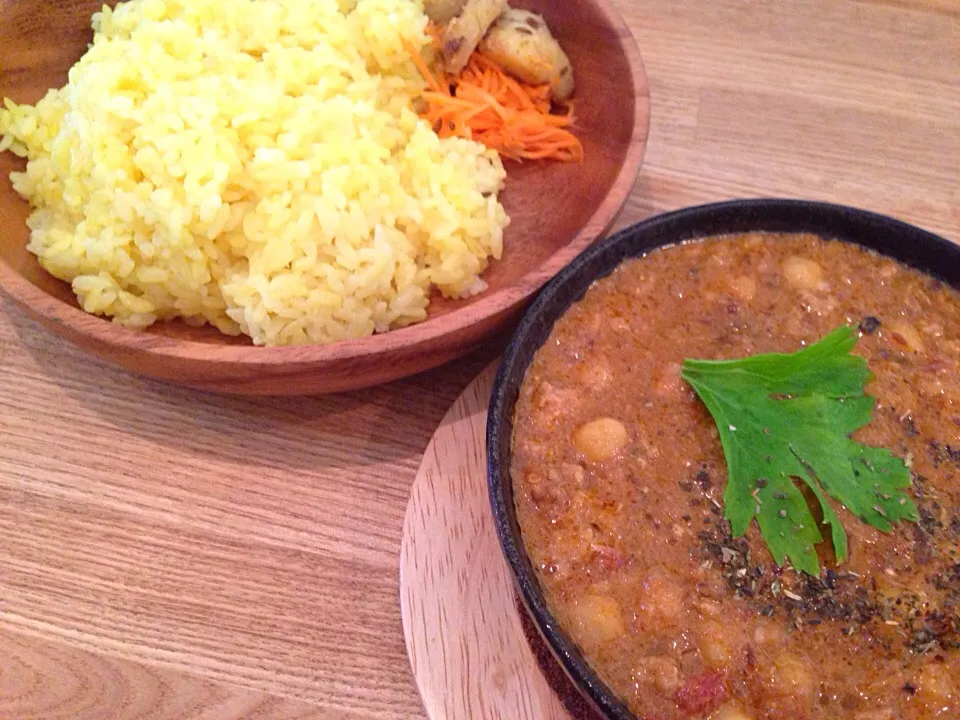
[[375, 425], [573, 702]]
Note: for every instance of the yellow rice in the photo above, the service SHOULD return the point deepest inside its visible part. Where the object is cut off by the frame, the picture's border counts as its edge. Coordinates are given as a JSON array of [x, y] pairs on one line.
[[256, 165]]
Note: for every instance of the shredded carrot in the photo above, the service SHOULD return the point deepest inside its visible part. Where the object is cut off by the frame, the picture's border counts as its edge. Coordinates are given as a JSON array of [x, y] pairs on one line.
[[485, 104]]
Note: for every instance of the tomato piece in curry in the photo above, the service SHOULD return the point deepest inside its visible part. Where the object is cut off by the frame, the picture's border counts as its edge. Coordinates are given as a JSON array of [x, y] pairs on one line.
[[619, 476]]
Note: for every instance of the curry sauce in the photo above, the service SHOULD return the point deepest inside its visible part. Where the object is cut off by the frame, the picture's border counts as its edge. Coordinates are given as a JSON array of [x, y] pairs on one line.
[[619, 477]]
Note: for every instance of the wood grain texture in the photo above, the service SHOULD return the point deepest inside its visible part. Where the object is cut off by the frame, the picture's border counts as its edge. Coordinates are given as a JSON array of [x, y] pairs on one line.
[[467, 647], [51, 681], [232, 550], [556, 211], [170, 542], [856, 102], [475, 651]]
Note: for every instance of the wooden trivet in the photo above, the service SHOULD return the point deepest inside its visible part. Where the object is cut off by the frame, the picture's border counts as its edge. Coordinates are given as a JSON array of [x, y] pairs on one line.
[[475, 653]]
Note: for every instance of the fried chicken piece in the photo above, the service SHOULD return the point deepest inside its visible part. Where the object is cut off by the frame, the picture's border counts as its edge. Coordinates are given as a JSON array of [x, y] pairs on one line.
[[464, 32], [443, 11], [521, 43]]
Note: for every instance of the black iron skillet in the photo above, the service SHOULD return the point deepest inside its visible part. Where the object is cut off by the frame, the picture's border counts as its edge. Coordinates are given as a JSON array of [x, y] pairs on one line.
[[909, 244]]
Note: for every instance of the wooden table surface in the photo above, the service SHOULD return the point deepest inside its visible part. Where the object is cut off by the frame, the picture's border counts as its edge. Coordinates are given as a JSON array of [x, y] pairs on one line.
[[169, 554]]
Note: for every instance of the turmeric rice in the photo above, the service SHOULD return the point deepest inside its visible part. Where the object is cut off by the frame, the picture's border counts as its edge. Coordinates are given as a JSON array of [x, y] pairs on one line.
[[260, 169]]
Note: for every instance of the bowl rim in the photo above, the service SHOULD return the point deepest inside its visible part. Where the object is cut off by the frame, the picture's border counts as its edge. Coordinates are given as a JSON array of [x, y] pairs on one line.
[[894, 238], [102, 332]]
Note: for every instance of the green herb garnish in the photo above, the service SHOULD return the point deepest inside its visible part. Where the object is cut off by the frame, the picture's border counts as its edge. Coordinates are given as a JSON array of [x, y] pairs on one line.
[[789, 417]]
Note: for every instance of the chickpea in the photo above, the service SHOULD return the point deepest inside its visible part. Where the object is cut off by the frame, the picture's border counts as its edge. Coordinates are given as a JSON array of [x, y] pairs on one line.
[[793, 677], [550, 402], [661, 672], [931, 386], [601, 439], [571, 544], [596, 374], [935, 685], [619, 324], [572, 474], [597, 619], [710, 608], [730, 711], [904, 335], [720, 257], [661, 601], [715, 647], [670, 382], [743, 287], [802, 273], [768, 634]]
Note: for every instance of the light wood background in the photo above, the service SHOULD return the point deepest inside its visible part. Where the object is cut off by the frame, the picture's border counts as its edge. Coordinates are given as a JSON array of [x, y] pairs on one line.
[[170, 554], [475, 654]]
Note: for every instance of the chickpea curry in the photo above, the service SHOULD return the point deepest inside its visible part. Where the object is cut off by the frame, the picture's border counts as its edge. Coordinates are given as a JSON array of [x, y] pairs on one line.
[[620, 477]]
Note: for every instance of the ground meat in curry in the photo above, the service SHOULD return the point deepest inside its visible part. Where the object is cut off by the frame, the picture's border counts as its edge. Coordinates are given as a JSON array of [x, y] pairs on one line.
[[619, 475]]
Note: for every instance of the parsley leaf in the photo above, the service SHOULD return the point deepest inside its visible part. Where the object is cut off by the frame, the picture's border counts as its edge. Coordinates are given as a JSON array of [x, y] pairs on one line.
[[786, 417]]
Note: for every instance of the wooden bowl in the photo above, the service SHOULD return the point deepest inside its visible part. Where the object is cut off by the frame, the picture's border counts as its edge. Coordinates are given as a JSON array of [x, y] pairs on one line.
[[557, 210]]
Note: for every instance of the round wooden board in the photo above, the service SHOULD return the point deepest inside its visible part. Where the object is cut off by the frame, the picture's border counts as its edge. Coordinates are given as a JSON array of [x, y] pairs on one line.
[[474, 652]]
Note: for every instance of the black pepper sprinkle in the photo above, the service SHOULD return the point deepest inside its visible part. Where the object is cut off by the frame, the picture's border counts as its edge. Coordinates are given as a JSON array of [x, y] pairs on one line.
[[842, 597], [940, 454], [909, 688], [952, 453], [703, 479], [928, 519], [869, 325], [910, 427]]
